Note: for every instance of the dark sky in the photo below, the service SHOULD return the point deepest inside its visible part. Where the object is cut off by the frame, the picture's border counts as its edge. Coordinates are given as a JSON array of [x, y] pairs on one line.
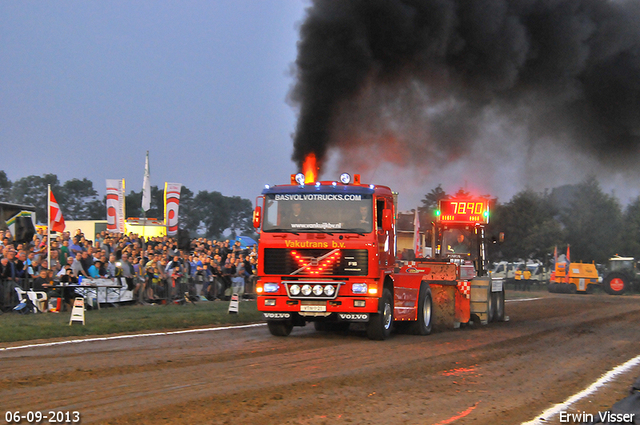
[[87, 87]]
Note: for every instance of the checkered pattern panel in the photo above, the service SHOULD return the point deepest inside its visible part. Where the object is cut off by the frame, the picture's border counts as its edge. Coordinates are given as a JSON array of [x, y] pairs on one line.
[[465, 288]]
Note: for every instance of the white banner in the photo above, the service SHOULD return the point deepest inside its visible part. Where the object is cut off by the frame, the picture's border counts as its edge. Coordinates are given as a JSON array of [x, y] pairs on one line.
[[115, 206], [146, 187], [171, 204]]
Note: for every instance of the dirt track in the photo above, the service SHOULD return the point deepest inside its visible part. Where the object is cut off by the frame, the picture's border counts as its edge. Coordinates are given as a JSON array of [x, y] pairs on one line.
[[504, 373]]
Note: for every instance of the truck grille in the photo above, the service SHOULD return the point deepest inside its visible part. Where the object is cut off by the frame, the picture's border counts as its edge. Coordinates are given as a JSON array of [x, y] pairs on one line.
[[316, 262]]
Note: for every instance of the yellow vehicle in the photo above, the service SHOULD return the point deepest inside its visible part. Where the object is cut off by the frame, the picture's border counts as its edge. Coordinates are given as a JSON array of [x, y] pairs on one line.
[[582, 278]]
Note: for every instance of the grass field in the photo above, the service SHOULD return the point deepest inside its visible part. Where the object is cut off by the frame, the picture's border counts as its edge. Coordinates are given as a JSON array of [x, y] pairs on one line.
[[124, 319], [132, 318]]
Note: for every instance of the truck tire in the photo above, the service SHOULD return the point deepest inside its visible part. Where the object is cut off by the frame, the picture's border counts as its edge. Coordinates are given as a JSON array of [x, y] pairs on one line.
[[491, 305], [380, 323], [573, 289], [615, 283], [499, 303], [424, 324], [280, 327]]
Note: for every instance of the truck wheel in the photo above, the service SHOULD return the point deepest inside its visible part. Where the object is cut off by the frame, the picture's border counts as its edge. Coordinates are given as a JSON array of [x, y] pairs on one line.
[[615, 283], [423, 325], [379, 326], [573, 289], [280, 327], [499, 314], [491, 305]]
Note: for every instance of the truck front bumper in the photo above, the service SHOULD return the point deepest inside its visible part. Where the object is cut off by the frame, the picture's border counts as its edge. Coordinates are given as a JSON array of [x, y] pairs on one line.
[[339, 309]]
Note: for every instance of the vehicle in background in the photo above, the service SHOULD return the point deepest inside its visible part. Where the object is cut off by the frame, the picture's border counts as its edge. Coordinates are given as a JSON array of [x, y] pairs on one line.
[[520, 274], [622, 275], [574, 278], [504, 270]]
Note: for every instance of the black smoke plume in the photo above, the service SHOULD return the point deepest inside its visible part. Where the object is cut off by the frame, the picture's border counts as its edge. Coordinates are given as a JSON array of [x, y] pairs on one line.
[[418, 78]]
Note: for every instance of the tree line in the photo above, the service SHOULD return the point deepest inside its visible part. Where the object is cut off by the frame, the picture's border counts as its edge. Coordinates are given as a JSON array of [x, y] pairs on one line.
[[207, 214], [592, 222]]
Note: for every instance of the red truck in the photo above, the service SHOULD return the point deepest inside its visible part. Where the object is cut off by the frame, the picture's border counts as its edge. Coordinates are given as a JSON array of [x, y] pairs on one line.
[[327, 255]]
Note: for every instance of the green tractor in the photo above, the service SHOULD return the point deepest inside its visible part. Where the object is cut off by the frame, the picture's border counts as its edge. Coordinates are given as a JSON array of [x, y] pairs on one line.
[[622, 275]]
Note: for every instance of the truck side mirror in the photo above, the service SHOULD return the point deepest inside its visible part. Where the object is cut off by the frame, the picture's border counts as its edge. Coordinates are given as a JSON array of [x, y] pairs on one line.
[[387, 223], [257, 217]]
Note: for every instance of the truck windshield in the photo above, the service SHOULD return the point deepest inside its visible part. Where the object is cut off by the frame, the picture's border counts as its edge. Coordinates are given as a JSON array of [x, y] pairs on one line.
[[321, 212], [459, 243]]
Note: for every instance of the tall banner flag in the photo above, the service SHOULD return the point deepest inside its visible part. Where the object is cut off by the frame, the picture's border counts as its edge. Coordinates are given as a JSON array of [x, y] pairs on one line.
[[115, 206], [552, 278], [146, 187], [566, 268], [171, 204], [416, 236], [56, 221]]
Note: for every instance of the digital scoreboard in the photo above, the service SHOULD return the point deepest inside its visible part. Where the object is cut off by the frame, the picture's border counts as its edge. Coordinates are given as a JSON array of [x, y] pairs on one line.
[[463, 211]]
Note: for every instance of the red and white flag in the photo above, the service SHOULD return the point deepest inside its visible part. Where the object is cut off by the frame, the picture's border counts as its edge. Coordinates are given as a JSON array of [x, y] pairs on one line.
[[416, 236], [56, 221], [171, 205], [115, 206]]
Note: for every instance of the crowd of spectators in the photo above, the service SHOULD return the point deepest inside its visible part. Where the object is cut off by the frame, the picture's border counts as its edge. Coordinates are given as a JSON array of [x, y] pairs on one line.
[[155, 269]]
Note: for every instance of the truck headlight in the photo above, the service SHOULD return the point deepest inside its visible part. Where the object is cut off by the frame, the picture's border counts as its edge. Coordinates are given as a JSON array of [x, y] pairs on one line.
[[271, 287], [329, 290], [317, 290], [359, 288], [294, 290], [306, 290]]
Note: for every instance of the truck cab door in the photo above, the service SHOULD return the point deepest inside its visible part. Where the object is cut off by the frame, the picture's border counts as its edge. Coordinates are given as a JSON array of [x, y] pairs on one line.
[[386, 237]]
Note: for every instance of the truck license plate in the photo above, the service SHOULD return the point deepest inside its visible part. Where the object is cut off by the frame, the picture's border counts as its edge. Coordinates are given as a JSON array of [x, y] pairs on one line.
[[304, 307]]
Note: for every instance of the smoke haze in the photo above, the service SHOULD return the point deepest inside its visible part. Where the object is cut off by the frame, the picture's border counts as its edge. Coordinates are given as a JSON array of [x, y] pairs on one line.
[[497, 94]]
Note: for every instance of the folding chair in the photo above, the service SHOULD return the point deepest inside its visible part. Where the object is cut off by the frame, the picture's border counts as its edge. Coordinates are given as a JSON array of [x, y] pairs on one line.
[[38, 300]]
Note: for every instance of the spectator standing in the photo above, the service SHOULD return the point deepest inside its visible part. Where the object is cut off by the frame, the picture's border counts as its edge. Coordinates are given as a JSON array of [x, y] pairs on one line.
[[86, 259], [64, 252], [127, 271], [76, 266], [112, 267], [75, 247], [95, 269]]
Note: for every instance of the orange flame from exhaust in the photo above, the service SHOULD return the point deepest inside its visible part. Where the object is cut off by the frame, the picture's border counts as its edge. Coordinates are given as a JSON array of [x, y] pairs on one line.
[[310, 168]]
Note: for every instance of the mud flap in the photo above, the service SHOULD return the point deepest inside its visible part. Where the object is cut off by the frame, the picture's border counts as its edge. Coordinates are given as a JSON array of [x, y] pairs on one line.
[[444, 305], [463, 308], [480, 293]]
